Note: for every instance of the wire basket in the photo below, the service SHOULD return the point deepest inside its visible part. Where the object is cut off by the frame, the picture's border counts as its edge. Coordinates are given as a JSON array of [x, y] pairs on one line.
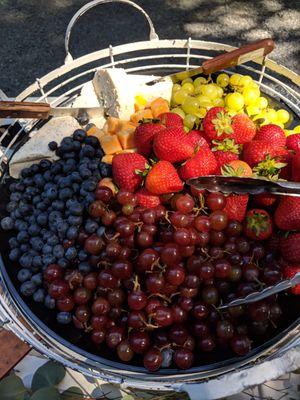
[[61, 87]]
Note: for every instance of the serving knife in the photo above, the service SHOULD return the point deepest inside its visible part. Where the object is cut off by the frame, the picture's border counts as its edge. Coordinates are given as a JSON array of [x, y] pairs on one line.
[[250, 52], [23, 109], [243, 185], [260, 295]]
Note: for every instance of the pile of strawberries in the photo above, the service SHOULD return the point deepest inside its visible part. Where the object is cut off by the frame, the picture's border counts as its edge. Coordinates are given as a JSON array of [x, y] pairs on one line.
[[167, 156]]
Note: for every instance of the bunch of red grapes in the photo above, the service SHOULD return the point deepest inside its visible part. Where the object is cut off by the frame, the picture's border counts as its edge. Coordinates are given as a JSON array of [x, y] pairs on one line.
[[160, 274]]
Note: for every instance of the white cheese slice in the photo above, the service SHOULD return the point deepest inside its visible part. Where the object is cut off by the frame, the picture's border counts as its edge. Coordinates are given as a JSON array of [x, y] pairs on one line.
[[117, 90], [87, 97], [36, 148]]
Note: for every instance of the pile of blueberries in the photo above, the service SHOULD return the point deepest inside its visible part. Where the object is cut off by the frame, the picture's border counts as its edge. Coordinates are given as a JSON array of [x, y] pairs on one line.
[[48, 208]]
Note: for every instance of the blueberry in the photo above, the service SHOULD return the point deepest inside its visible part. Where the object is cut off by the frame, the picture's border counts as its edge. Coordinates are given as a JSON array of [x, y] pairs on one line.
[[24, 248], [72, 233], [23, 237], [39, 296], [34, 230], [25, 260], [24, 275], [25, 209], [99, 153], [48, 259], [48, 176], [51, 193], [7, 223], [64, 318], [58, 251], [84, 172], [76, 146], [49, 302], [14, 254], [71, 253], [92, 141], [87, 151], [37, 261], [34, 169], [54, 216], [69, 166], [15, 196], [11, 206], [89, 198], [79, 135], [36, 199], [44, 164], [37, 243], [75, 177], [76, 209], [56, 168], [76, 187], [100, 231], [89, 185], [20, 225], [63, 262], [69, 155], [62, 227], [33, 253], [58, 205], [37, 279], [47, 249], [93, 165], [20, 187], [28, 182], [83, 192], [82, 255], [13, 243], [25, 172], [41, 206], [27, 288], [84, 267], [52, 145], [75, 220], [12, 187], [42, 219], [53, 240], [65, 193], [39, 180], [91, 226]]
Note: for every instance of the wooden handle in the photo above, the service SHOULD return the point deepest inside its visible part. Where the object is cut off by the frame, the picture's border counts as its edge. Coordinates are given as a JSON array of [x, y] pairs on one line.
[[245, 53], [22, 109]]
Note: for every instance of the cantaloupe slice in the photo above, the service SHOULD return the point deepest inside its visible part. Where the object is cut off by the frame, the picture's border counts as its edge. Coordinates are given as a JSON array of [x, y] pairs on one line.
[[126, 136], [93, 130], [107, 158], [127, 151], [110, 144], [139, 115], [111, 125], [159, 106]]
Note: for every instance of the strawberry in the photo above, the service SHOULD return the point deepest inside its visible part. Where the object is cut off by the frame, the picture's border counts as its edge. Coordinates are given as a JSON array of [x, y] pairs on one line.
[[264, 199], [197, 139], [236, 168], [203, 163], [225, 152], [290, 247], [126, 170], [147, 199], [287, 214], [289, 272], [172, 144], [144, 135], [244, 129], [258, 224], [163, 178], [272, 133], [293, 142], [169, 119], [295, 167], [217, 124], [236, 206]]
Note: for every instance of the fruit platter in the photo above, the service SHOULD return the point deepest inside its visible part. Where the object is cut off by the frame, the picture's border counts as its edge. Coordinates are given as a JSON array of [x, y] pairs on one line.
[[108, 247]]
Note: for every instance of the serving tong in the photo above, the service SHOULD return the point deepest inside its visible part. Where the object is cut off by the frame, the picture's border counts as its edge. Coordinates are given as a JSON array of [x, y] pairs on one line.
[[245, 185]]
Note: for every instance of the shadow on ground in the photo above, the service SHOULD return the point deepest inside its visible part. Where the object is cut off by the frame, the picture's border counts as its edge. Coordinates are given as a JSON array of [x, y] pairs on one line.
[[32, 31]]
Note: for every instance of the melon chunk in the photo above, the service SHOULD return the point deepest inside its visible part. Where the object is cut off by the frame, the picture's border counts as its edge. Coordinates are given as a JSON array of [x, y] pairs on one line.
[[107, 158], [142, 114], [110, 144], [111, 125], [159, 106]]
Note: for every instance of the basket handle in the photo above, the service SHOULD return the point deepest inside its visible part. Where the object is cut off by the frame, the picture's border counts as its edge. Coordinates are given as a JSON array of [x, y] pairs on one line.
[[152, 35]]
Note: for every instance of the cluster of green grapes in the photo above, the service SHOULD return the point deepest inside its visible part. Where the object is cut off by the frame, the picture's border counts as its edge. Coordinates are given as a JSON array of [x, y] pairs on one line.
[[237, 93]]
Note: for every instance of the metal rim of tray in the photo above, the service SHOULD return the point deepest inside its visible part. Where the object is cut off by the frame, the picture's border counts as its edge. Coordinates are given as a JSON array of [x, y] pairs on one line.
[[181, 55]]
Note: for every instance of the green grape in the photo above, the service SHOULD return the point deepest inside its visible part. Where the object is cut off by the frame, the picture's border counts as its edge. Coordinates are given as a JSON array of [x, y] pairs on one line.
[[223, 80], [190, 105], [176, 87], [189, 87], [200, 113], [234, 101], [271, 115], [297, 129], [235, 79], [186, 129], [245, 80], [200, 81], [283, 116], [252, 109], [180, 96], [209, 91], [220, 91], [255, 85], [204, 101], [251, 95], [186, 80], [189, 121], [178, 111], [262, 102], [218, 102]]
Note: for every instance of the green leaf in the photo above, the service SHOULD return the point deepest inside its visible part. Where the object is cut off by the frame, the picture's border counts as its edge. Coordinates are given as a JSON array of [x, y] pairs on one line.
[[12, 388], [46, 393], [73, 393], [49, 374]]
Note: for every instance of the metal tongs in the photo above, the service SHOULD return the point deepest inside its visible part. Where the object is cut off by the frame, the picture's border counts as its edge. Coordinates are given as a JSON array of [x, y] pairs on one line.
[[239, 185]]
